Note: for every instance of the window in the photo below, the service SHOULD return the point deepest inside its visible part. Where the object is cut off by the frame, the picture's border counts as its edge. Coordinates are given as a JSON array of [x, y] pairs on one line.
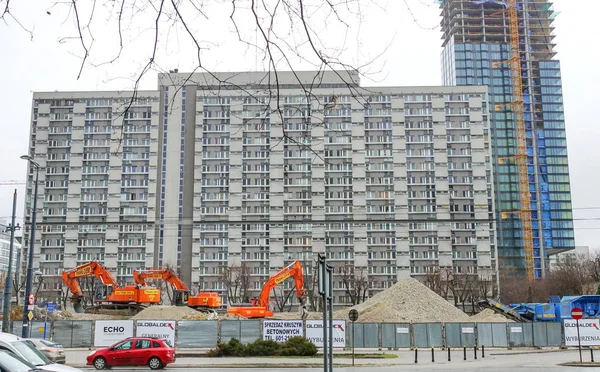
[[142, 344], [155, 344], [125, 345]]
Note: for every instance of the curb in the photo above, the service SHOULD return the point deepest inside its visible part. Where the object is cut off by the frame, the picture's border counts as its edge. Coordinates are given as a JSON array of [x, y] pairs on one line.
[[211, 366], [581, 365], [531, 352]]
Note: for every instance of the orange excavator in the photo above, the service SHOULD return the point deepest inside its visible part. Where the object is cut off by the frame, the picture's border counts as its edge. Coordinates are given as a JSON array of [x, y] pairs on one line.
[[108, 296], [204, 300], [259, 307]]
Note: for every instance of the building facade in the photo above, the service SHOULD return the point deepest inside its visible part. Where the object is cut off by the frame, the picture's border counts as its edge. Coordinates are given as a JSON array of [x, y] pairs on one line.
[[581, 252], [476, 43], [5, 249], [211, 172]]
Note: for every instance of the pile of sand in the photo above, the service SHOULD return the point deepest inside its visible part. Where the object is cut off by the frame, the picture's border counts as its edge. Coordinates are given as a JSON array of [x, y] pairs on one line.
[[489, 316], [407, 301], [84, 316], [169, 313]]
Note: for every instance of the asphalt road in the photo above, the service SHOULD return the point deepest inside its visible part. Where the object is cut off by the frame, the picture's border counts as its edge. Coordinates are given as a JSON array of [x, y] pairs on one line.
[[495, 361], [366, 369]]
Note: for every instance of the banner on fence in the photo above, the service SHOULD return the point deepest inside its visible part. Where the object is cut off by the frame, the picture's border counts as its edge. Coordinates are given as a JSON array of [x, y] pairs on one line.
[[281, 330], [109, 332], [163, 329], [314, 332], [589, 330]]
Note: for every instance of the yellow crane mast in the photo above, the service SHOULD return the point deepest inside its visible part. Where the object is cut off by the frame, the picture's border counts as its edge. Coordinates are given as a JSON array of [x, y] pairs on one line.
[[521, 158]]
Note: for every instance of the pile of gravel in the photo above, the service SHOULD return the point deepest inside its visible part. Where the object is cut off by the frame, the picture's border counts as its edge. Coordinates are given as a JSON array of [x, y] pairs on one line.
[[489, 316], [407, 301], [167, 313]]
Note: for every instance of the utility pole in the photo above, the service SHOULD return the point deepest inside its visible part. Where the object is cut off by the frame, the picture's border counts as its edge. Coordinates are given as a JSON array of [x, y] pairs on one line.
[[8, 282], [26, 332], [322, 268]]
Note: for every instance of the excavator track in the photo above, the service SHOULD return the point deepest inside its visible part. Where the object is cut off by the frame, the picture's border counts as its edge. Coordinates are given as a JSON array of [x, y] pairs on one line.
[[116, 309]]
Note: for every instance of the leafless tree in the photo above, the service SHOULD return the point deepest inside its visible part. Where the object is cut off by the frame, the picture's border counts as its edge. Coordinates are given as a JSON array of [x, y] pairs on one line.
[[356, 283], [280, 33], [282, 297], [237, 282], [440, 282], [18, 286], [573, 276], [311, 284]]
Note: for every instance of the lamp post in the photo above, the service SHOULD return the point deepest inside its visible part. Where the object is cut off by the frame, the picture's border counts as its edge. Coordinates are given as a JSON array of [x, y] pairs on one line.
[[8, 281], [25, 329]]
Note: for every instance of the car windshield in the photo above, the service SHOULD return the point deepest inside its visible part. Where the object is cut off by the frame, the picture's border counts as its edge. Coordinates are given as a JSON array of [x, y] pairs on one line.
[[30, 353], [167, 342], [12, 363]]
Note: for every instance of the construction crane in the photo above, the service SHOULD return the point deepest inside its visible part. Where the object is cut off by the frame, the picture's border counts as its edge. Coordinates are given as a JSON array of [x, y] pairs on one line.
[[108, 296], [518, 109], [181, 292], [12, 182], [259, 307], [519, 113]]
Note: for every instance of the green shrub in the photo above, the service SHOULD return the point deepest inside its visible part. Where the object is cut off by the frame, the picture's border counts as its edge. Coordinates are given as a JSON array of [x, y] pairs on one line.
[[294, 346], [262, 348], [298, 346], [232, 348]]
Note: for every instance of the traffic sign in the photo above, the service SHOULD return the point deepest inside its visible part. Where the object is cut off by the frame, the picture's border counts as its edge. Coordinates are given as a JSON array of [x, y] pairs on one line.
[[31, 299], [30, 315], [576, 313], [353, 315]]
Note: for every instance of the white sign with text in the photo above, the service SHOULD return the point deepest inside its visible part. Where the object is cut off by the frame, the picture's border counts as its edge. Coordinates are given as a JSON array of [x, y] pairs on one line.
[[281, 330], [109, 332], [314, 332], [163, 329], [589, 330]]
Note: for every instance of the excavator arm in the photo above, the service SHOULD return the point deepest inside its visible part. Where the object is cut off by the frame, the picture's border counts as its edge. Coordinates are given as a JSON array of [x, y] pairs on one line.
[[181, 291], [167, 275], [259, 307], [293, 270], [92, 268]]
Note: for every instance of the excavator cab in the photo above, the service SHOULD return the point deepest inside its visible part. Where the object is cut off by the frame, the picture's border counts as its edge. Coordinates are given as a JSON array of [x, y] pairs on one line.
[[103, 291], [180, 297]]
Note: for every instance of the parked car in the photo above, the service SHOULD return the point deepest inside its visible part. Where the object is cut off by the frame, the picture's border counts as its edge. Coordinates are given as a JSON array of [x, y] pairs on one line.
[[27, 351], [9, 362], [53, 351], [134, 351]]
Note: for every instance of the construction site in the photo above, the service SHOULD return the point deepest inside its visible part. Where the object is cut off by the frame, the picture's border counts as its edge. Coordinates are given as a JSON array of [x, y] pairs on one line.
[[408, 301]]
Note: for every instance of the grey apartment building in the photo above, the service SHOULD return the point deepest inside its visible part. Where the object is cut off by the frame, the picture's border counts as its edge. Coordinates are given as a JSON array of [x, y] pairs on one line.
[[215, 171]]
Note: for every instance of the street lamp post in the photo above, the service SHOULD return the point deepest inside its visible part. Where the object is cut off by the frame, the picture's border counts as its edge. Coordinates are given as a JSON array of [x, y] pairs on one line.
[[25, 329], [8, 281]]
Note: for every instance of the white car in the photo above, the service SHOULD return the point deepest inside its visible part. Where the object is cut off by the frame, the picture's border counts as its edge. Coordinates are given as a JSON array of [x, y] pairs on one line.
[[26, 350]]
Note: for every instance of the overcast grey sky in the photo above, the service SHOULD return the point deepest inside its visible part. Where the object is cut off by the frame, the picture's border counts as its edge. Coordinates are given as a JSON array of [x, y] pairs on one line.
[[410, 57]]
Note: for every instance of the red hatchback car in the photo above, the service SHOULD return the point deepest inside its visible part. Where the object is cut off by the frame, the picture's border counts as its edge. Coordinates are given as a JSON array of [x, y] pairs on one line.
[[134, 351]]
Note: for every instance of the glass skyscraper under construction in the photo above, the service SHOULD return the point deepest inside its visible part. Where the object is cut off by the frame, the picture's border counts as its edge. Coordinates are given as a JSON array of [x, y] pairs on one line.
[[476, 41]]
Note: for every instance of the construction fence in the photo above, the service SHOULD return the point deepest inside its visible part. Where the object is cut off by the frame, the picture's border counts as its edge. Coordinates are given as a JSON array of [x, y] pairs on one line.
[[206, 333]]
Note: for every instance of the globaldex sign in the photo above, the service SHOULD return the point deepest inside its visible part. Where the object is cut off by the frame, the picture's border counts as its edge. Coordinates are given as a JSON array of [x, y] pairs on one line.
[[589, 331], [156, 328]]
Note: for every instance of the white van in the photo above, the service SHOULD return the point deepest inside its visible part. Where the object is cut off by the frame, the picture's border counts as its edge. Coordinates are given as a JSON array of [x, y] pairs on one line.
[[26, 350]]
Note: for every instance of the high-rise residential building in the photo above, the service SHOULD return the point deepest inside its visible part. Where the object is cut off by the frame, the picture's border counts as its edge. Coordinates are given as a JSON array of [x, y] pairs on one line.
[[476, 42], [211, 172]]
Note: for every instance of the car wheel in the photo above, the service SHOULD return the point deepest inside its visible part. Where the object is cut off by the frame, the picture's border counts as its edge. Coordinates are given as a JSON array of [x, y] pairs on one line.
[[100, 363], [155, 363]]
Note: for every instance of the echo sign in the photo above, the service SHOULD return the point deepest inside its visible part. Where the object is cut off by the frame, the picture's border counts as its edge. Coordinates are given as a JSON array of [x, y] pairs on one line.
[[281, 330], [109, 332]]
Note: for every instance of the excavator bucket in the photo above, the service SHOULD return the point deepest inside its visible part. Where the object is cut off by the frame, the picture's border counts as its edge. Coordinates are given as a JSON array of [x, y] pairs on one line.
[[77, 305]]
